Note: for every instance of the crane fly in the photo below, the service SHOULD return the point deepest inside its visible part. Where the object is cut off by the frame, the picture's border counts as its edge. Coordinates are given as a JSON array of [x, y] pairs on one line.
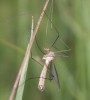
[[49, 59]]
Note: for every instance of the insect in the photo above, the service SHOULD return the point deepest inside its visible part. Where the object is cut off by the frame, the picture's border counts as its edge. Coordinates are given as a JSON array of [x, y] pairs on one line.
[[49, 59]]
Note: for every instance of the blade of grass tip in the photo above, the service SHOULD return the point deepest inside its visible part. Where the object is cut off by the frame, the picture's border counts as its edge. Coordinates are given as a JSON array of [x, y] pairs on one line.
[[20, 89]]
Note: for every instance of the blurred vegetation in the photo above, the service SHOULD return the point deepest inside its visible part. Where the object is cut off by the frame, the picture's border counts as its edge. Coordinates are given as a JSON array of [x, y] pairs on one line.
[[72, 20]]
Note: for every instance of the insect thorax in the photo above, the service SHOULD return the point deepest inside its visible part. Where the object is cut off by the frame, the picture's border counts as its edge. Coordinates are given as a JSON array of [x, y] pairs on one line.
[[49, 57]]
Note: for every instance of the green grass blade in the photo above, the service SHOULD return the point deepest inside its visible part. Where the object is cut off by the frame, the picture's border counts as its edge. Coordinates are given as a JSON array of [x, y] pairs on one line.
[[20, 89]]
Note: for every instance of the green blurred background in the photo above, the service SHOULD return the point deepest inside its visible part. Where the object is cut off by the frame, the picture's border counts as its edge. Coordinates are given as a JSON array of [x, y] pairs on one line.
[[72, 20]]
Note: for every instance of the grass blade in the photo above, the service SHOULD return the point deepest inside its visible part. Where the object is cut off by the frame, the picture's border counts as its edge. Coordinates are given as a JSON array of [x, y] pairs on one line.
[[20, 89]]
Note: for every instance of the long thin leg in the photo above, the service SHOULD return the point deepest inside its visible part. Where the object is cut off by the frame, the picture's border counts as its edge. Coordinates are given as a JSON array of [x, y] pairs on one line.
[[51, 22], [33, 78], [62, 51], [64, 56], [54, 42], [55, 32], [38, 45], [56, 48], [55, 29], [38, 77], [41, 65]]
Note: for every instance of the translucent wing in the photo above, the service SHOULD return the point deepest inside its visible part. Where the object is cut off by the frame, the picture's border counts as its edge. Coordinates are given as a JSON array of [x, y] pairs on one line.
[[50, 71], [56, 76]]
